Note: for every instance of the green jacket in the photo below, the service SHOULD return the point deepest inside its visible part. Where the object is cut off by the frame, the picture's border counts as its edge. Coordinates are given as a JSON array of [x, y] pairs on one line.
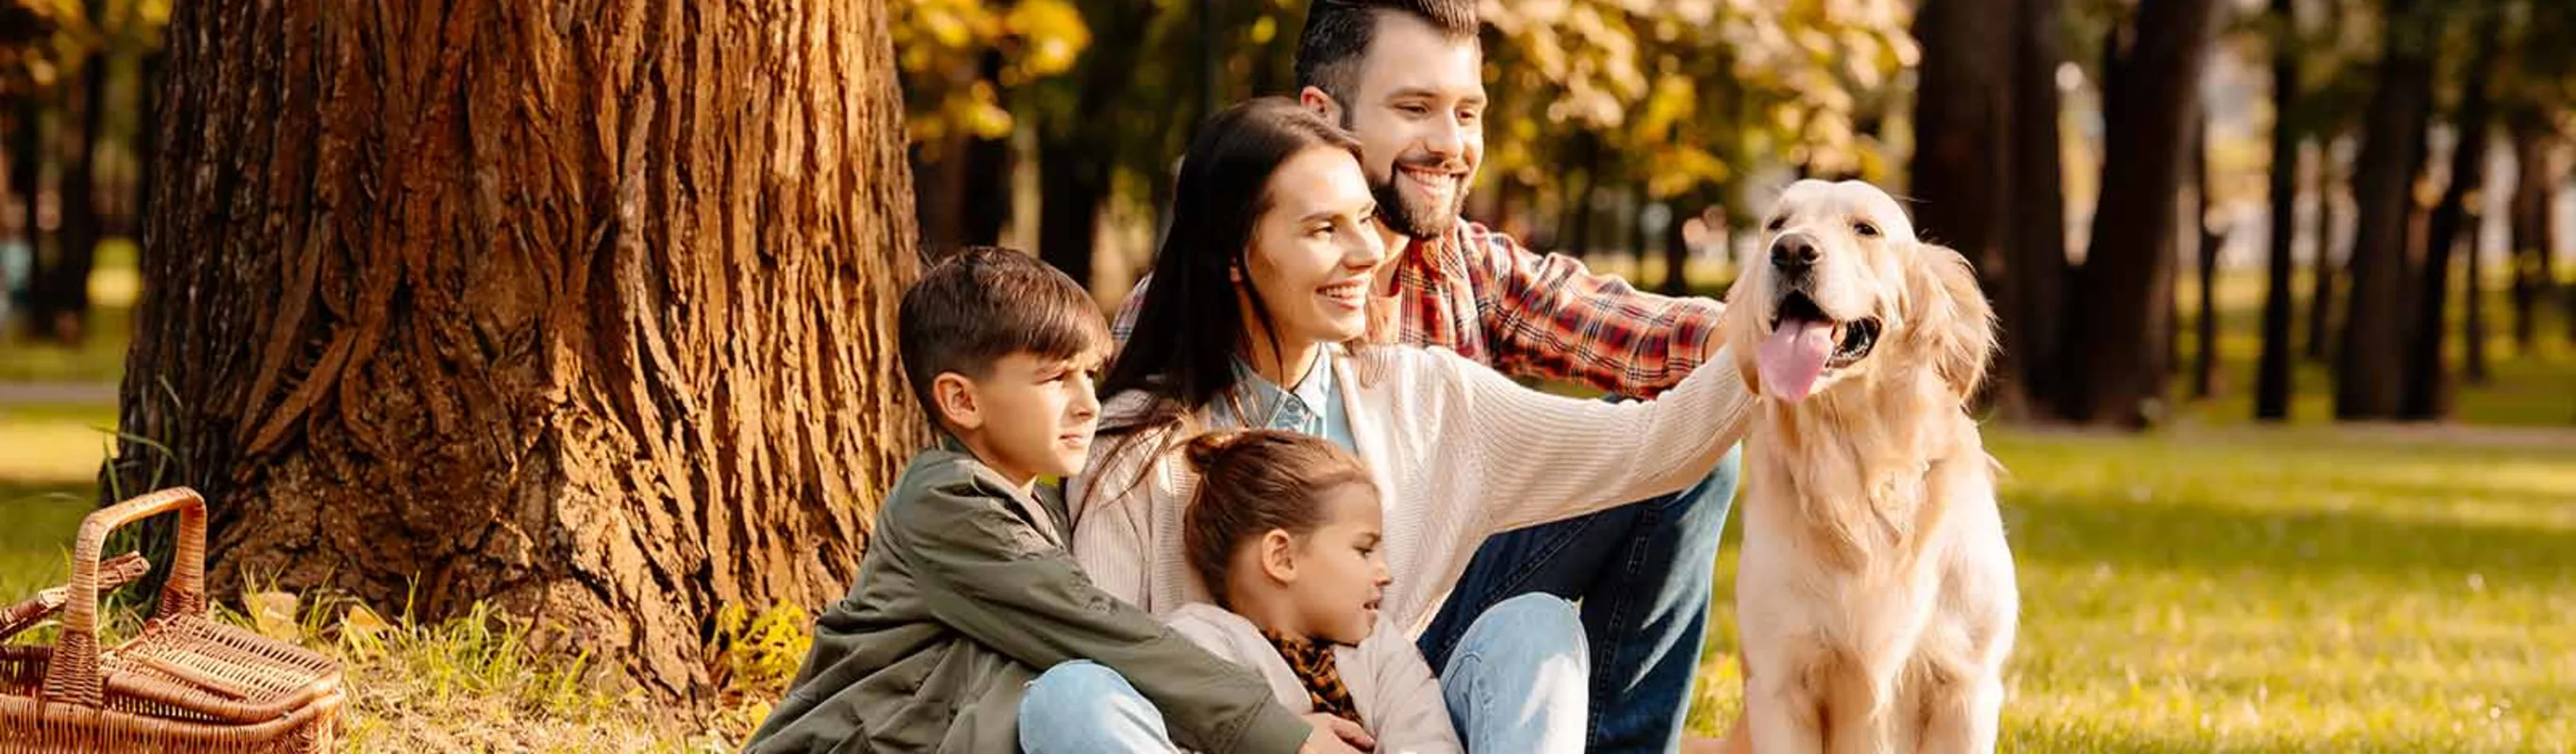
[[962, 599]]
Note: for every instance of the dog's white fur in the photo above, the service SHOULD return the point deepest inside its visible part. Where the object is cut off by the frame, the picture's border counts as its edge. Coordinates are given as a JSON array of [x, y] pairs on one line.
[[1876, 591]]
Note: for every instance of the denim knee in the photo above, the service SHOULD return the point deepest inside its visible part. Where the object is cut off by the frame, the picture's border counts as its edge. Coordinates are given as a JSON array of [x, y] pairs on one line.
[[1531, 625], [1071, 685], [1520, 679], [1086, 707]]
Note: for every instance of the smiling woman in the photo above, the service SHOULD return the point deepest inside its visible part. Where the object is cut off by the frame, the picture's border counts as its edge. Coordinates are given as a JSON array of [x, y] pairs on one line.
[[1269, 253]]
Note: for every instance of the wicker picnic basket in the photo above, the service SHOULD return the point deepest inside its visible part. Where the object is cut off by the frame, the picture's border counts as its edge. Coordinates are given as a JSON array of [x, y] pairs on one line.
[[187, 683]]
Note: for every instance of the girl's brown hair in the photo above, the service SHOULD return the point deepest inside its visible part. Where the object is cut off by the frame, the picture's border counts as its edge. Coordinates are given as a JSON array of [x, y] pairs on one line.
[[1251, 482]]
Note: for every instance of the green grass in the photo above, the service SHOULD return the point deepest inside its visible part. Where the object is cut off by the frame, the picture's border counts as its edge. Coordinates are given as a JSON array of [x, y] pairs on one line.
[[48, 456]]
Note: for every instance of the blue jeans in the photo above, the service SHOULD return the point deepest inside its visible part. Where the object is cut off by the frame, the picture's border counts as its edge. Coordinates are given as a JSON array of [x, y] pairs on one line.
[[1520, 680], [1082, 707], [1643, 573]]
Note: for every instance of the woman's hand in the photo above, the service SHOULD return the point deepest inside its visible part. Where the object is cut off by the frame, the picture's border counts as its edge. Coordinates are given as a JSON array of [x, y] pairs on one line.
[[1334, 735]]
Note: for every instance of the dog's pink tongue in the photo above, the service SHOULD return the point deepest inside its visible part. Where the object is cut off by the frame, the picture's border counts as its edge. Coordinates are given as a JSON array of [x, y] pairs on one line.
[[1793, 357]]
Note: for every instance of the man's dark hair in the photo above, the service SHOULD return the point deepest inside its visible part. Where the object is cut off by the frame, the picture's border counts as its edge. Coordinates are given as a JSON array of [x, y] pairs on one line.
[[1338, 33], [985, 303]]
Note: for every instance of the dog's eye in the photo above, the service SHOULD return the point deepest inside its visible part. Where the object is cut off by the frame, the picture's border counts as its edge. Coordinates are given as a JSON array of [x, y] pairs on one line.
[[1865, 229], [1777, 223]]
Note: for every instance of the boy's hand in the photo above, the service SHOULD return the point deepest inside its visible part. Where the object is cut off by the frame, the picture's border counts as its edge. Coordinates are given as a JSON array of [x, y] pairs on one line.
[[1334, 735]]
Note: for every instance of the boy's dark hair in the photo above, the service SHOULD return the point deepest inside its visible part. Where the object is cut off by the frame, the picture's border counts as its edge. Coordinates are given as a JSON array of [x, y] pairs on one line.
[[1338, 33], [1251, 482], [985, 303]]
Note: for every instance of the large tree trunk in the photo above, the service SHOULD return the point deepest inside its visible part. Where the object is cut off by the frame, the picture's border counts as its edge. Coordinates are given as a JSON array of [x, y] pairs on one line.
[[585, 312], [2369, 362], [2272, 372], [1963, 131], [2533, 280], [58, 288], [2321, 284], [2127, 275], [2038, 267], [2428, 379]]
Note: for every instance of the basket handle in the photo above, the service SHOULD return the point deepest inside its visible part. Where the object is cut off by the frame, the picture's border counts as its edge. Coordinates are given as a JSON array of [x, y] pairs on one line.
[[73, 675]]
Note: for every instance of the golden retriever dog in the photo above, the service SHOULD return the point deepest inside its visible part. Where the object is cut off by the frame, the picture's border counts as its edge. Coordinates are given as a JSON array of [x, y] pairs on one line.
[[1876, 592]]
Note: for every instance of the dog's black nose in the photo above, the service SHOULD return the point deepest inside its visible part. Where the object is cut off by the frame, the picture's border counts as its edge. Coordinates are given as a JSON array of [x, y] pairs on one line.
[[1793, 252]]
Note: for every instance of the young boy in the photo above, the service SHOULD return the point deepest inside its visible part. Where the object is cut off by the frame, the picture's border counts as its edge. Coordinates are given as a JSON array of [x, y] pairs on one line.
[[967, 592]]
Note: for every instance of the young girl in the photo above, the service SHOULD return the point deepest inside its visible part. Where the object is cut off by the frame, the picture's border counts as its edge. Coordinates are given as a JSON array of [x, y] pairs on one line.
[[1284, 528]]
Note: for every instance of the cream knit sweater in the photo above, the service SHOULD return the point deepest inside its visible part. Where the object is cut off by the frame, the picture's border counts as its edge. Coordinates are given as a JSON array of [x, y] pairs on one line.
[[1458, 451]]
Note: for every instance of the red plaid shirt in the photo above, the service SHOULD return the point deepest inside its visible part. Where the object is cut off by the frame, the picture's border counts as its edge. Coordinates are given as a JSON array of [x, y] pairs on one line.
[[1479, 293]]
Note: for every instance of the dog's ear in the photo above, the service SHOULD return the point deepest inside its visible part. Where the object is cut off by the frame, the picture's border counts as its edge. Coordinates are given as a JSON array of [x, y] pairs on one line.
[[1954, 325]]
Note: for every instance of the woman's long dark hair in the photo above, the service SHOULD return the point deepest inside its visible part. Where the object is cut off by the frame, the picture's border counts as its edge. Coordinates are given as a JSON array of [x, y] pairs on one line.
[[1189, 330]]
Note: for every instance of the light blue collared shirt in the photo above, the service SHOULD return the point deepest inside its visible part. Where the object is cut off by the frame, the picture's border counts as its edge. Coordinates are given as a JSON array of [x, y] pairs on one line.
[[1313, 407]]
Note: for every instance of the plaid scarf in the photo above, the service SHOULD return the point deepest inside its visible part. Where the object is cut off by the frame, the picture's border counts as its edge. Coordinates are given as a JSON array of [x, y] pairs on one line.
[[1312, 661]]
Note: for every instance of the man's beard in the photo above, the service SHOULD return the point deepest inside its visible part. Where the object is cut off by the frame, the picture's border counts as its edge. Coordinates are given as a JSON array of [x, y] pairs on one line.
[[1412, 214]]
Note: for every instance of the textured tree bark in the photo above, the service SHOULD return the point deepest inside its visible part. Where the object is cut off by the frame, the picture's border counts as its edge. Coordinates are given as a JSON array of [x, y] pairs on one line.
[[2128, 278], [2272, 371], [583, 310], [2369, 362], [2429, 386], [1963, 164]]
